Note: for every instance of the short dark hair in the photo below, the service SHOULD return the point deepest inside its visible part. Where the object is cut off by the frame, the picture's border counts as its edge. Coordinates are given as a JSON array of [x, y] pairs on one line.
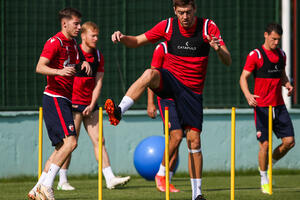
[[68, 13], [274, 27], [184, 3]]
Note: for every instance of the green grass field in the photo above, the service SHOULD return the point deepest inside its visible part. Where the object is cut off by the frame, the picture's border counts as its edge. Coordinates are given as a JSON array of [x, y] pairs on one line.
[[215, 187]]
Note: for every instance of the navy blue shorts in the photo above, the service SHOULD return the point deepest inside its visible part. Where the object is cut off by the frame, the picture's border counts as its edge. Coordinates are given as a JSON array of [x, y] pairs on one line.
[[282, 124], [188, 104], [173, 117], [80, 108], [58, 118]]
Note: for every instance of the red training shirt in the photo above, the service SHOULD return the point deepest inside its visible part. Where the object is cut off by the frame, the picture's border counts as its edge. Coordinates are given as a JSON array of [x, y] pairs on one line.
[[61, 52], [190, 71], [269, 90], [83, 86]]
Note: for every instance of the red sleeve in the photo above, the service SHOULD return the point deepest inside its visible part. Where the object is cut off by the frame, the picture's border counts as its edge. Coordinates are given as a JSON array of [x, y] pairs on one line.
[[51, 48], [214, 30], [157, 32], [252, 61], [101, 64], [158, 56]]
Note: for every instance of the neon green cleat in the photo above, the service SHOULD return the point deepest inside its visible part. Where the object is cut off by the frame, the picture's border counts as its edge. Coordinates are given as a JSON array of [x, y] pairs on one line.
[[265, 188]]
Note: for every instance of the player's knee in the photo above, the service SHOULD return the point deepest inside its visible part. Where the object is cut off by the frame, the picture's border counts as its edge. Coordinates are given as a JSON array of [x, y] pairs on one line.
[[264, 146], [149, 76], [73, 145], [289, 143], [176, 139]]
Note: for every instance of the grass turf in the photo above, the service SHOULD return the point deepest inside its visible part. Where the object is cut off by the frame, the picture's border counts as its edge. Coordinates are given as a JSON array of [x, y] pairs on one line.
[[216, 186]]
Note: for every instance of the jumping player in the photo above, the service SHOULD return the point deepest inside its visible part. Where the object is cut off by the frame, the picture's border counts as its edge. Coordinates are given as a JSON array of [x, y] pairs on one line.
[[176, 131], [267, 63], [189, 40], [86, 91], [57, 61]]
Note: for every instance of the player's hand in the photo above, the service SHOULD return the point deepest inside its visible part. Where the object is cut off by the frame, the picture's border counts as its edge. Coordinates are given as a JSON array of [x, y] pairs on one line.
[[66, 71], [290, 89], [116, 37], [86, 67], [251, 100], [151, 110], [214, 42], [87, 111]]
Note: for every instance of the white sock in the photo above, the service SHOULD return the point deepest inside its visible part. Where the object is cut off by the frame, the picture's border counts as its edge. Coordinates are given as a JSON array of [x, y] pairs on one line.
[[264, 177], [170, 175], [63, 176], [108, 174], [41, 179], [161, 171], [274, 161], [196, 187], [51, 175], [126, 103]]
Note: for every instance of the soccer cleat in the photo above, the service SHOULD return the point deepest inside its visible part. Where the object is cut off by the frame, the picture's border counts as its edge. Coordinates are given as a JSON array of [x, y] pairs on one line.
[[117, 181], [173, 189], [265, 188], [32, 195], [44, 193], [160, 182], [200, 197], [114, 112], [65, 186], [273, 181]]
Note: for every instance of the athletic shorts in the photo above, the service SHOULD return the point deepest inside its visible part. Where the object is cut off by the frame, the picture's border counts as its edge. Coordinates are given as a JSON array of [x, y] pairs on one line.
[[282, 124], [58, 118], [81, 108], [174, 122], [188, 104]]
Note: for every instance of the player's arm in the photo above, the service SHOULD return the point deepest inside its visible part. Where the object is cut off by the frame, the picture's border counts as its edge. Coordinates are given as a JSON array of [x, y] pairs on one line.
[[96, 93], [245, 88], [216, 42], [151, 108], [128, 40], [43, 68], [286, 83], [222, 51]]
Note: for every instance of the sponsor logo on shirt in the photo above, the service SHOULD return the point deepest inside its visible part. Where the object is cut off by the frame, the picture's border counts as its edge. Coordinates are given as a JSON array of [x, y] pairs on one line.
[[187, 47], [275, 70]]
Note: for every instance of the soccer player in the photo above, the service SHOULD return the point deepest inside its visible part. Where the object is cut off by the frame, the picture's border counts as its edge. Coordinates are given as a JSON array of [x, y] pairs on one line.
[[58, 61], [267, 63], [86, 91], [176, 131], [189, 40]]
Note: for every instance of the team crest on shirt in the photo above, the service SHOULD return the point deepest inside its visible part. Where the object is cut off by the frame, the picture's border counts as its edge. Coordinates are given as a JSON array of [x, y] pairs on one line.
[[71, 127]]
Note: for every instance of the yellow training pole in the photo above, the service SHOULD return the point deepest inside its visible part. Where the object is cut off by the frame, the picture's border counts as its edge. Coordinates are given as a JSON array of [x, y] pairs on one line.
[[40, 142], [270, 148], [167, 152], [232, 177], [100, 154]]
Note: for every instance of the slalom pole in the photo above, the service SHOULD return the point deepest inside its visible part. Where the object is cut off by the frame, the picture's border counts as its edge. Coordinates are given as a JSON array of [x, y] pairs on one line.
[[232, 176], [270, 149], [100, 154], [40, 142], [167, 152]]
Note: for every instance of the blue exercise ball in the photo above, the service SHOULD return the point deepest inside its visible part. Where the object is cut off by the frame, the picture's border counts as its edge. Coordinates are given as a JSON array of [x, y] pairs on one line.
[[148, 156]]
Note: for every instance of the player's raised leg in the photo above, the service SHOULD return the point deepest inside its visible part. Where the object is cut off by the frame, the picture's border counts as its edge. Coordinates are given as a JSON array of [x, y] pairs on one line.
[[150, 78]]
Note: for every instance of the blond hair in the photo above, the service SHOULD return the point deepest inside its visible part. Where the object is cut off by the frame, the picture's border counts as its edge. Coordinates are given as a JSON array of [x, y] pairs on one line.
[[89, 25]]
